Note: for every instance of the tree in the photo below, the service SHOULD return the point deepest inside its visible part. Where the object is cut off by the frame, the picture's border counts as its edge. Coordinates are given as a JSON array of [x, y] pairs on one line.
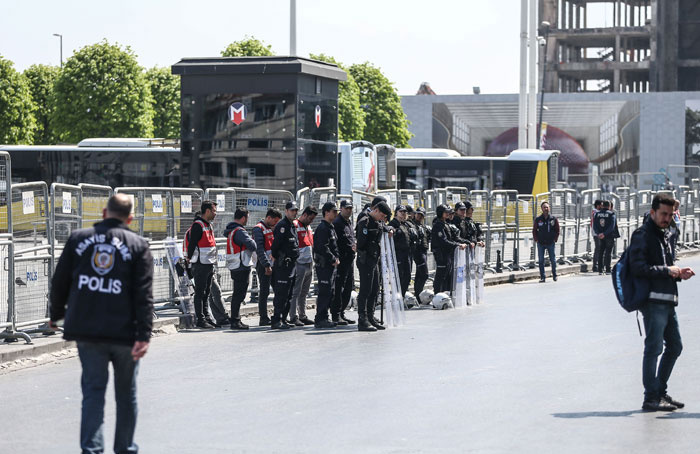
[[41, 79], [692, 126], [165, 93], [17, 122], [385, 120], [248, 47], [351, 117], [102, 92]]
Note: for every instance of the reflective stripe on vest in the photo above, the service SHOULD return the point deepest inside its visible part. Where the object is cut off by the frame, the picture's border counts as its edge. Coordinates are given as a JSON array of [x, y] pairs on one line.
[[205, 253], [306, 242], [237, 256], [268, 234]]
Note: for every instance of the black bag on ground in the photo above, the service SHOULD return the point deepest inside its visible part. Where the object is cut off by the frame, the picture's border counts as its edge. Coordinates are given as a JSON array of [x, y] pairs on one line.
[[631, 292]]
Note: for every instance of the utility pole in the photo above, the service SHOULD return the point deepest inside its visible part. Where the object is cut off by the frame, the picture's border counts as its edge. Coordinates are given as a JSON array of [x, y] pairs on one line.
[[532, 95], [522, 100], [60, 37], [292, 28]]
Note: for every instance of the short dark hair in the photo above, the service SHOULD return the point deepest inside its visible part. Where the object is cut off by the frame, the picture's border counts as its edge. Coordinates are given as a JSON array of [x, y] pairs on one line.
[[310, 210], [273, 213], [597, 203], [240, 213], [662, 199], [606, 204], [542, 204], [119, 205], [207, 205]]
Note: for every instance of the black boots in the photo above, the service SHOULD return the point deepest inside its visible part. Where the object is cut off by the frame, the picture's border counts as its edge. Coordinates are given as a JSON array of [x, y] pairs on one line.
[[364, 325]]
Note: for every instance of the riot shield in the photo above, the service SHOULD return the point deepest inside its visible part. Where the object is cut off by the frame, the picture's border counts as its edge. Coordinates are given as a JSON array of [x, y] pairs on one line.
[[184, 287], [479, 254], [459, 297], [472, 281], [391, 295]]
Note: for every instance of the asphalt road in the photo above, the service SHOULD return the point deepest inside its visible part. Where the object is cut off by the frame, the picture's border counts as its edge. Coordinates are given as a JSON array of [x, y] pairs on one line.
[[552, 367]]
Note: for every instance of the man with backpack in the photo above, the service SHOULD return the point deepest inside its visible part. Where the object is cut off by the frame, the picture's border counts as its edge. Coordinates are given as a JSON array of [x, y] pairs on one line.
[[651, 259]]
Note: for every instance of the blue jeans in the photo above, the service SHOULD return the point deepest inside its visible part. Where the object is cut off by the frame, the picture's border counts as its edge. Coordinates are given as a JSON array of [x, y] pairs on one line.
[[540, 255], [660, 325], [95, 359]]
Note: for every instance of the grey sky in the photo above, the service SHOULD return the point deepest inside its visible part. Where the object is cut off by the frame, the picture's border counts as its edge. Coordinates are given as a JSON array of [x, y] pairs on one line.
[[453, 44]]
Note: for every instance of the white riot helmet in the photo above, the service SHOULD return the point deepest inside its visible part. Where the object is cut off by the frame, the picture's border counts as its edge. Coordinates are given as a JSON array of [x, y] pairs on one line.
[[425, 297], [442, 301], [410, 300], [353, 300]]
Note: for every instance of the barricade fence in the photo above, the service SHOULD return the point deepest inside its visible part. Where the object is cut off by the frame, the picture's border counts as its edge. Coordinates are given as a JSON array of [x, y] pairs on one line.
[[39, 219]]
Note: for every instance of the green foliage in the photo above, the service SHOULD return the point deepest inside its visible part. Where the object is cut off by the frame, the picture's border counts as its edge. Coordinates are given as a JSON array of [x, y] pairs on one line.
[[248, 47], [692, 126], [17, 122], [385, 121], [41, 79], [351, 117], [102, 92], [165, 91]]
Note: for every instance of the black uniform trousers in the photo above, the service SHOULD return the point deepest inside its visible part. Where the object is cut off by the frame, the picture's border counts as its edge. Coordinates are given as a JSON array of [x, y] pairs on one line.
[[344, 282], [421, 259], [596, 252], [369, 287], [605, 255], [264, 282], [241, 280], [326, 276], [203, 274], [443, 273], [283, 282], [403, 263]]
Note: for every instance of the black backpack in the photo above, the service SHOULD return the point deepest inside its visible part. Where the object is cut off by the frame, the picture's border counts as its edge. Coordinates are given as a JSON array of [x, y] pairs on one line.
[[631, 292]]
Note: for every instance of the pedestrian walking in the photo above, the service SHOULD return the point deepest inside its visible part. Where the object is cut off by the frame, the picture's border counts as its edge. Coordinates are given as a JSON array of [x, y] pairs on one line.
[[201, 252], [240, 249], [345, 279], [597, 249], [545, 232], [604, 223], [102, 286], [263, 235], [651, 258], [285, 251], [304, 268], [327, 259]]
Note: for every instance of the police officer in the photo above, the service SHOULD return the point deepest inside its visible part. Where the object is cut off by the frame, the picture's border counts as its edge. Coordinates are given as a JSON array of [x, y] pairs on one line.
[[327, 259], [102, 286], [474, 233], [459, 220], [201, 252], [404, 244], [443, 246], [285, 250], [345, 278], [604, 227], [263, 234], [369, 231], [420, 254], [240, 248]]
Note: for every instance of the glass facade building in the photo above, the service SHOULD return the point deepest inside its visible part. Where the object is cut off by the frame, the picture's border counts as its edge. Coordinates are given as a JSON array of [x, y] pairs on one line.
[[259, 122]]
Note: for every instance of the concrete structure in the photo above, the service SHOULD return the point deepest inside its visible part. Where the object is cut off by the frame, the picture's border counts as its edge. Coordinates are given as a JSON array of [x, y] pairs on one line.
[[640, 45]]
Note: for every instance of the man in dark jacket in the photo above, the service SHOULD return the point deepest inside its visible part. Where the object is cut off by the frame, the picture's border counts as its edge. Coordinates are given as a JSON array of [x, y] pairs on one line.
[[345, 279], [604, 222], [327, 259], [474, 233], [102, 286], [597, 205], [240, 249], [201, 252], [420, 255], [404, 245], [285, 251], [545, 232], [651, 259], [443, 249], [263, 235]]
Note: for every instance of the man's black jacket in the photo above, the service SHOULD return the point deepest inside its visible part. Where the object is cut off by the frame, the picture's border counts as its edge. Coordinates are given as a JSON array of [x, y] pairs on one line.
[[442, 243], [650, 257], [346, 238], [325, 245], [285, 245], [103, 285]]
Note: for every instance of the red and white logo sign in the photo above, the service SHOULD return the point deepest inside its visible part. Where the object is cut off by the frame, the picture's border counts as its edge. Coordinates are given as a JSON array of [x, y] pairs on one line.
[[317, 116], [237, 113]]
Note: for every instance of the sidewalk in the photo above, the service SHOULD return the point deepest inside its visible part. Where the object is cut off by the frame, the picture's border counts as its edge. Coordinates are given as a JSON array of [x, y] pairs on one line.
[[49, 348]]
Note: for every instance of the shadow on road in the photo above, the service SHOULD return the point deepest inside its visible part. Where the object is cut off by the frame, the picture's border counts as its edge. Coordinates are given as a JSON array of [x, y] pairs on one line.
[[597, 414], [680, 416]]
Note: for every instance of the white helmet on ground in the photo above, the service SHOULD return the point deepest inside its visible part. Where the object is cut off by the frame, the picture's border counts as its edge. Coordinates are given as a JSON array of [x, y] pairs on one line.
[[442, 301], [410, 300], [425, 297]]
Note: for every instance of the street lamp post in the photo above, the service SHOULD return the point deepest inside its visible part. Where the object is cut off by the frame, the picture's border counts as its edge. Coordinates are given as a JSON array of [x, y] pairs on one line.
[[60, 37], [545, 28], [292, 28]]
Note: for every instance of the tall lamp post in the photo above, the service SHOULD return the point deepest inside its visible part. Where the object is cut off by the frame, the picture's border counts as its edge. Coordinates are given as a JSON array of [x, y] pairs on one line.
[[60, 37], [545, 29]]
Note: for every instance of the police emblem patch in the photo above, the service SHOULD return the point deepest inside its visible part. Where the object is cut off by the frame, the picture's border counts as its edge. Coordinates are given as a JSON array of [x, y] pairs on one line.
[[281, 229], [602, 222], [551, 222], [364, 231], [103, 258], [440, 234]]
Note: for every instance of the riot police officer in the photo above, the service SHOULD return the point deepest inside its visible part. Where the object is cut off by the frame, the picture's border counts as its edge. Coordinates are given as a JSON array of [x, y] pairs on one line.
[[420, 254], [459, 220], [327, 259], [443, 249], [369, 231], [474, 233], [404, 244], [285, 250], [345, 279]]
